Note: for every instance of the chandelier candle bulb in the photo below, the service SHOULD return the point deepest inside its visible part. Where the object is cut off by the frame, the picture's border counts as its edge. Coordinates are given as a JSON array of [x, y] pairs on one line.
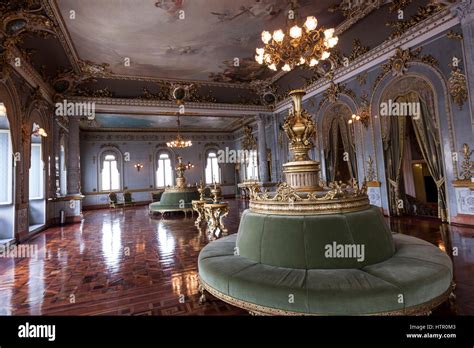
[[295, 32], [266, 37], [311, 23]]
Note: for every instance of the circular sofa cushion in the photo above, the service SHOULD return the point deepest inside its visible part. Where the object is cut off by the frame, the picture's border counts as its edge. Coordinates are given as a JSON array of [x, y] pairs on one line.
[[417, 274], [174, 200], [345, 240]]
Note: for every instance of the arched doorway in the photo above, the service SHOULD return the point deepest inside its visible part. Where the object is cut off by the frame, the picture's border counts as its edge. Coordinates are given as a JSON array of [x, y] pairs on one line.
[[414, 166], [7, 211], [339, 144], [37, 180]]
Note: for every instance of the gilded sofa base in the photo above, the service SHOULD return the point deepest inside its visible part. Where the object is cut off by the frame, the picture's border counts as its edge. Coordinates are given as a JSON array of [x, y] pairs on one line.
[[254, 309], [172, 210]]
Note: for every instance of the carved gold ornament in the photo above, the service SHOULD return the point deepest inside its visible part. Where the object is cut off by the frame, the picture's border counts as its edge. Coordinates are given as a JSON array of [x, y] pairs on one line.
[[457, 87], [287, 200], [248, 142], [466, 164], [371, 176]]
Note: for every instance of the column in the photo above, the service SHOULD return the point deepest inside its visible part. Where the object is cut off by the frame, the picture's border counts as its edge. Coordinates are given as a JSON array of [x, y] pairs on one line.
[[262, 149], [73, 158], [276, 152], [54, 161], [465, 12]]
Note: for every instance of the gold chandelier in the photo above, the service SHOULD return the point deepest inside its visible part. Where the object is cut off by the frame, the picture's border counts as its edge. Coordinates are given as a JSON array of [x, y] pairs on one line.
[[300, 45], [179, 142]]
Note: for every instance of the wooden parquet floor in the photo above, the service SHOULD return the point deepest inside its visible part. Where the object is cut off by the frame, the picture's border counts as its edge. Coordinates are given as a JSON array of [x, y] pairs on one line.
[[122, 262]]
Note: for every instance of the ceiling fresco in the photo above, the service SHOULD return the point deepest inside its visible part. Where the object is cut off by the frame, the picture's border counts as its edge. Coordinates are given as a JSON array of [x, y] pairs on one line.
[[162, 122], [181, 39]]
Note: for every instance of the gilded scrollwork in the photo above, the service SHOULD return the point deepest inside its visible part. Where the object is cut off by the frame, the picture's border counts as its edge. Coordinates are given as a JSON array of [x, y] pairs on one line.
[[466, 164], [457, 86]]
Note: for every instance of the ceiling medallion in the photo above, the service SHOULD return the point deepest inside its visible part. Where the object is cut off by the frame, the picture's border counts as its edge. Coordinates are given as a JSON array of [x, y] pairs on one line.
[[299, 45], [179, 142]]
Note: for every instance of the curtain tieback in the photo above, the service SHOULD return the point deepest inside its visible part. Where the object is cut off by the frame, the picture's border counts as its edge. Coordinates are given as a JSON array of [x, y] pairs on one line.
[[393, 183], [439, 183]]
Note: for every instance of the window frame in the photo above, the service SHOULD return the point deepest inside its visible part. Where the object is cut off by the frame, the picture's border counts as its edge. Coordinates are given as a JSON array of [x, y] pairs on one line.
[[219, 173], [100, 167], [41, 170], [157, 167], [10, 183], [158, 153]]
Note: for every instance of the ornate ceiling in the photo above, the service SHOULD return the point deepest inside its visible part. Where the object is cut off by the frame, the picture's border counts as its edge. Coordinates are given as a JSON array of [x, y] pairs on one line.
[[80, 48], [189, 123], [180, 39]]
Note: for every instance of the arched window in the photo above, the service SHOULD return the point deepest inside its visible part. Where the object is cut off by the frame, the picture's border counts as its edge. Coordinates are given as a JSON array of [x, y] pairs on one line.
[[62, 168], [251, 165], [164, 171], [212, 168], [36, 182], [6, 177], [110, 171]]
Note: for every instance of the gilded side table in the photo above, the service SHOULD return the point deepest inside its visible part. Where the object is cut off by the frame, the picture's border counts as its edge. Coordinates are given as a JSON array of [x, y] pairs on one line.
[[215, 213], [198, 206]]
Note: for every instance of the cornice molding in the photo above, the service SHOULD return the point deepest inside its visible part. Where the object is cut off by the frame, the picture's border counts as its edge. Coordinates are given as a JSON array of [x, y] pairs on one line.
[[108, 104], [430, 27]]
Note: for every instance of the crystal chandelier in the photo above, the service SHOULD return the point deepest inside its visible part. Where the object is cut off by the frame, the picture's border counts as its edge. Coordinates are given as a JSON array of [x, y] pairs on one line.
[[300, 45], [179, 142]]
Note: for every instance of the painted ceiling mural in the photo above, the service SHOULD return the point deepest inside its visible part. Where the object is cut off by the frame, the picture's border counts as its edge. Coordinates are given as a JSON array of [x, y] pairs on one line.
[[181, 39], [164, 122]]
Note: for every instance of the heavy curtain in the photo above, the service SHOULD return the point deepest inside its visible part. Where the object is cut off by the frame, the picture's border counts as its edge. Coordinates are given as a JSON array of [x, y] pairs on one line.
[[394, 144], [427, 135], [339, 128]]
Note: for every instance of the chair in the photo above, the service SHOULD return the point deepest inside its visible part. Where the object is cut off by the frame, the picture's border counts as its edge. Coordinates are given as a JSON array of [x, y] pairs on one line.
[[127, 199], [113, 202]]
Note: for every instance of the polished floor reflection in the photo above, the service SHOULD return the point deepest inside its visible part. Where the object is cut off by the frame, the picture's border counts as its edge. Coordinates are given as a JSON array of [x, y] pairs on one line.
[[122, 262]]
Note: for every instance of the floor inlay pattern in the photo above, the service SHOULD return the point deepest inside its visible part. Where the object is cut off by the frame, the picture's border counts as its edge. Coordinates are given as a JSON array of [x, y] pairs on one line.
[[122, 262]]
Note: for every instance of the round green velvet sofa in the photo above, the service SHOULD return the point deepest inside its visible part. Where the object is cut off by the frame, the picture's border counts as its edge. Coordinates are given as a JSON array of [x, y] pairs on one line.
[[172, 201], [291, 265]]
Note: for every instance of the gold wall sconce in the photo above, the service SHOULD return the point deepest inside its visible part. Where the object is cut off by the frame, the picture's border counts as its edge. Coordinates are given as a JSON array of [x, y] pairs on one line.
[[138, 166]]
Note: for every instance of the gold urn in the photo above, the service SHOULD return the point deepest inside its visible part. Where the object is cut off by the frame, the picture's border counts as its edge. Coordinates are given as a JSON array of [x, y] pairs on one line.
[[302, 173]]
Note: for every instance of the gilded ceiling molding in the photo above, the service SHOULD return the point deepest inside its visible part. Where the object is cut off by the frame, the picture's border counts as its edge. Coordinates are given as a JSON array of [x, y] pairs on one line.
[[454, 35], [356, 9], [98, 93], [358, 50], [423, 12], [457, 86], [398, 5]]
